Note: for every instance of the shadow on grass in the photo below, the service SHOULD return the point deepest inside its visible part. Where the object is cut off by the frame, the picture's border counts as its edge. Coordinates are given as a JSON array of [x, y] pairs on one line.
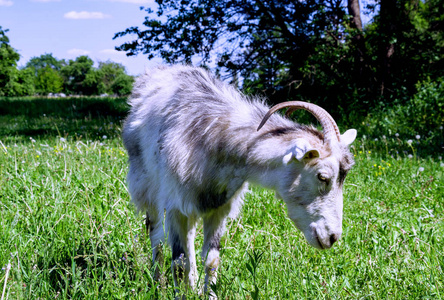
[[86, 117]]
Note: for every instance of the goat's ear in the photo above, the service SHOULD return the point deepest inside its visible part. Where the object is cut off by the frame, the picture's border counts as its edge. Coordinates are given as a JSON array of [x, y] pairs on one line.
[[301, 150], [349, 136]]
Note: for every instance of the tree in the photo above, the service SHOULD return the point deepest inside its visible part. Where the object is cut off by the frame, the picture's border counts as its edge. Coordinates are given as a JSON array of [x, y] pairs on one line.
[[48, 80], [266, 41], [47, 75], [8, 66], [46, 60], [115, 79], [75, 73], [122, 85], [302, 49]]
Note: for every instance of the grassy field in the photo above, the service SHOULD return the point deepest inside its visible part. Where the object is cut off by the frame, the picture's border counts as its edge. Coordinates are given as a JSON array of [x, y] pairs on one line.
[[69, 232]]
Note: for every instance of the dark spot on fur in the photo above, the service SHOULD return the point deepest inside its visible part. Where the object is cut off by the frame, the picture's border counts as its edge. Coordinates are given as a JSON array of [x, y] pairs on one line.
[[215, 241], [342, 174], [279, 131], [209, 200], [176, 246], [132, 145], [345, 165]]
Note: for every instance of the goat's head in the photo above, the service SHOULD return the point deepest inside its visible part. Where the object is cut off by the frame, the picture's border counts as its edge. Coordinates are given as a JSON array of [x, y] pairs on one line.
[[315, 172]]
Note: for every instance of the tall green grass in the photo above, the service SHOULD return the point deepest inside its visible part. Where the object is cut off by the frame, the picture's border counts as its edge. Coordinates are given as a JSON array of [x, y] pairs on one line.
[[68, 230]]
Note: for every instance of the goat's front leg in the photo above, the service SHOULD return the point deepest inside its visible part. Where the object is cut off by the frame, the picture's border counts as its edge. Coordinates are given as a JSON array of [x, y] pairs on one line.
[[214, 227], [181, 233]]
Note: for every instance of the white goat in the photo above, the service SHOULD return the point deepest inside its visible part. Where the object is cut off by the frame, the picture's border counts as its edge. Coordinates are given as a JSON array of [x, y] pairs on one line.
[[194, 143]]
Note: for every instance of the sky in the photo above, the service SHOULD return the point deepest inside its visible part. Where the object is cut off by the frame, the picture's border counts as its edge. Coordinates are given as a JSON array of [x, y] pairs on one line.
[[70, 28]]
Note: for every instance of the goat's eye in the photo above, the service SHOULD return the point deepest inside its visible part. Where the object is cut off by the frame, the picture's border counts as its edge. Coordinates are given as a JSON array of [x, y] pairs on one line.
[[322, 178]]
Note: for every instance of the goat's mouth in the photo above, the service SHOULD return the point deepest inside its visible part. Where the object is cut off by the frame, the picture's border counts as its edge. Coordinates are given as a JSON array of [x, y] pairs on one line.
[[317, 240]]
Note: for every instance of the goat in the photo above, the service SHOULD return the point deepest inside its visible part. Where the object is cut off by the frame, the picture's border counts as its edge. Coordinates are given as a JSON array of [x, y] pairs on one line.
[[194, 145]]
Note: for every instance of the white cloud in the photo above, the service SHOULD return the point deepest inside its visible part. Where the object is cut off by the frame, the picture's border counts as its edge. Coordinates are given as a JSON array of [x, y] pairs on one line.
[[85, 15], [112, 52], [6, 3], [45, 0], [134, 1], [78, 52]]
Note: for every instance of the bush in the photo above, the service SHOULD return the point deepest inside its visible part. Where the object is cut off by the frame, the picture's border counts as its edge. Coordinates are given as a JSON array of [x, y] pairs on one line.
[[422, 117]]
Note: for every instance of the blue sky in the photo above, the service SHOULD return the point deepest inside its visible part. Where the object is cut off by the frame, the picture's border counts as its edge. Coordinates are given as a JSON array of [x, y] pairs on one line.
[[70, 28]]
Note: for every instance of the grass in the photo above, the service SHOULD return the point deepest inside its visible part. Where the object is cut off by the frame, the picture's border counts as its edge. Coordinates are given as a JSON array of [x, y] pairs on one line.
[[69, 232]]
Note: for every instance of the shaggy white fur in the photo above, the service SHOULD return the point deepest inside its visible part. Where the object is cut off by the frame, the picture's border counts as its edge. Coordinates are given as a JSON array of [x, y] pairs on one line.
[[193, 147]]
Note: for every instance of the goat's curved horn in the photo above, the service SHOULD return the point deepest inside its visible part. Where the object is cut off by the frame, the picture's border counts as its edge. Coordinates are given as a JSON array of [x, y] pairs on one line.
[[328, 124]]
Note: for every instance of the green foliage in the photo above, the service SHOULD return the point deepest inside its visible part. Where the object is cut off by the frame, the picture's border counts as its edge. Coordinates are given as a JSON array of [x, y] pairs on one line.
[[114, 78], [8, 66], [75, 73], [122, 85], [266, 42], [45, 61], [48, 80], [422, 116], [68, 229], [307, 50]]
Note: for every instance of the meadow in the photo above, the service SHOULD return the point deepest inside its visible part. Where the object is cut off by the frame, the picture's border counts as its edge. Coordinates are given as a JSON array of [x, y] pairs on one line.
[[68, 230]]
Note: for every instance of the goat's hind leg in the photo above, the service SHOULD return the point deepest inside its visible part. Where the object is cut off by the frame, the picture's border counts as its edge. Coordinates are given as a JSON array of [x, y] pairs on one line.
[[154, 228], [181, 233], [214, 228]]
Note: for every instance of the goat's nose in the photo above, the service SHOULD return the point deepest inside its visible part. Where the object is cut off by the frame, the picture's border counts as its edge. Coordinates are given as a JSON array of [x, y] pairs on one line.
[[333, 238]]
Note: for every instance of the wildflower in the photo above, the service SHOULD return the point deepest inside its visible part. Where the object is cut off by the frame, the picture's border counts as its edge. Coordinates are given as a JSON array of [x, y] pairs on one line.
[[410, 156], [421, 169], [39, 153], [442, 165], [32, 140], [417, 136], [384, 137], [397, 134], [62, 139], [409, 142], [104, 137], [376, 139]]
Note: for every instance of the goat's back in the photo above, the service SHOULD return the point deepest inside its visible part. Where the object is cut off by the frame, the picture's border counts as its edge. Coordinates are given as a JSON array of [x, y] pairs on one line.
[[187, 134]]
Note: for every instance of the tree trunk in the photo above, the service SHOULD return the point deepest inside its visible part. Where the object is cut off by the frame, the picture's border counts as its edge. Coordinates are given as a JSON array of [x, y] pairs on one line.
[[355, 11], [389, 15]]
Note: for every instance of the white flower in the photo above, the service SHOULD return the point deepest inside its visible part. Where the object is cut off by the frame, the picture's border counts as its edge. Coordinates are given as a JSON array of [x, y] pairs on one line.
[[384, 137], [62, 139], [104, 137], [417, 136], [410, 156], [421, 169], [376, 139], [38, 152], [32, 140], [409, 142], [397, 134], [442, 165]]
